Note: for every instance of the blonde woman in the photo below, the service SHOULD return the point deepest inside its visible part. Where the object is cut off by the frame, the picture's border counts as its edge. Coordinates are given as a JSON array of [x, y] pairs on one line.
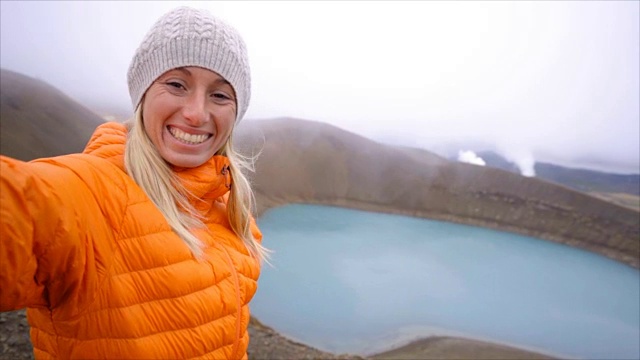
[[143, 246]]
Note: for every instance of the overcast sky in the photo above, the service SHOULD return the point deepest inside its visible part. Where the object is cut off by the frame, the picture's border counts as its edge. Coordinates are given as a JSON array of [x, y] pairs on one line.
[[541, 80]]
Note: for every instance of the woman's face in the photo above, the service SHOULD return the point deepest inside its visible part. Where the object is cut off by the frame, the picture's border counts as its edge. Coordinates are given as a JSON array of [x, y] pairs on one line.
[[188, 113]]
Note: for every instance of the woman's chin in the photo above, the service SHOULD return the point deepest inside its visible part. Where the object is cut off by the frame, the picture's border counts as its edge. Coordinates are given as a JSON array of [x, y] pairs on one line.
[[187, 161]]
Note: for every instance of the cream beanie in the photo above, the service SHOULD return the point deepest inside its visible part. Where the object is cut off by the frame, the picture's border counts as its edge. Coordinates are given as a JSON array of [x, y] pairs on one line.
[[190, 37]]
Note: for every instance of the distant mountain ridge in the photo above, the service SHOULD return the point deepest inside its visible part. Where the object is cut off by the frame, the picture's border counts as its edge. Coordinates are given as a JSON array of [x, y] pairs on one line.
[[578, 179]]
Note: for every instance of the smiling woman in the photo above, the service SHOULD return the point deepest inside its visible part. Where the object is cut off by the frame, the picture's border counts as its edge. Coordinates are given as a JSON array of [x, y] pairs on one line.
[[144, 245], [188, 115]]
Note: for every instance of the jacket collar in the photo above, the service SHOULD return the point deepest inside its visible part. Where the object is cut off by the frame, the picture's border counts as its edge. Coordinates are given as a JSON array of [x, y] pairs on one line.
[[207, 182]]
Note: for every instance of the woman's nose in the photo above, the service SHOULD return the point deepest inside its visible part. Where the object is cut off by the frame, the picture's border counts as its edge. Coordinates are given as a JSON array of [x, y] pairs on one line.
[[194, 110]]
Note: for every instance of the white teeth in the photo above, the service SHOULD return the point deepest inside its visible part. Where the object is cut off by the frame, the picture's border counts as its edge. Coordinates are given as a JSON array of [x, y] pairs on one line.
[[188, 138]]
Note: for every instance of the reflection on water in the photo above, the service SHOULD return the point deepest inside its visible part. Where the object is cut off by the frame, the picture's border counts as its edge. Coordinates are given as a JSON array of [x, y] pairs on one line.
[[360, 282]]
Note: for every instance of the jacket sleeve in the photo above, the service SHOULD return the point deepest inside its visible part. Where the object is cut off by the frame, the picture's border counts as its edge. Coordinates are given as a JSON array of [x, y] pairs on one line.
[[42, 252]]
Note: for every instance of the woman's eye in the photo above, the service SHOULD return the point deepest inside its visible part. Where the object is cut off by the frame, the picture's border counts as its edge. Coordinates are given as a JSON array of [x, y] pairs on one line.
[[175, 84], [221, 96]]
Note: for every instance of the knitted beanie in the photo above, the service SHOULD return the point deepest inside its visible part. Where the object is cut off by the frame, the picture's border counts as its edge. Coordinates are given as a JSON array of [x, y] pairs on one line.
[[190, 37]]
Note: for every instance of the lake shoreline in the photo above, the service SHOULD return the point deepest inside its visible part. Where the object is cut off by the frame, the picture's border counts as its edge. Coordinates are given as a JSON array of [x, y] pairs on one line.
[[268, 343]]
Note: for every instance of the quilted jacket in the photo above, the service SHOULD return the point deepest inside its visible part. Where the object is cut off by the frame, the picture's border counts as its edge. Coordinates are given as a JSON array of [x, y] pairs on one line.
[[103, 275]]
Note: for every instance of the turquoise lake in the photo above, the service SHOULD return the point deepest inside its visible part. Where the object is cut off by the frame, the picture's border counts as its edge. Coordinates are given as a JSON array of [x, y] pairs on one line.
[[360, 282]]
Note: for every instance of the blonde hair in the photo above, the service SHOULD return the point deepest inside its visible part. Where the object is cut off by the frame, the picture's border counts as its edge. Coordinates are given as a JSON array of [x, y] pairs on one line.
[[156, 178]]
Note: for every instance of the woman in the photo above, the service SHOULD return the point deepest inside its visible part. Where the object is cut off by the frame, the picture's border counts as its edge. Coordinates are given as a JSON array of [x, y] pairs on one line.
[[143, 246]]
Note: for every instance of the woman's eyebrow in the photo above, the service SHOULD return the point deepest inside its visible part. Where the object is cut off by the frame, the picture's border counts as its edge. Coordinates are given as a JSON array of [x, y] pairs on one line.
[[221, 80], [184, 70], [170, 72]]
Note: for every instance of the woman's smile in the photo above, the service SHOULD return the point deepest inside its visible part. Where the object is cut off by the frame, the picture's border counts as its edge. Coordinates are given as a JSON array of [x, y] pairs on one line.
[[188, 138]]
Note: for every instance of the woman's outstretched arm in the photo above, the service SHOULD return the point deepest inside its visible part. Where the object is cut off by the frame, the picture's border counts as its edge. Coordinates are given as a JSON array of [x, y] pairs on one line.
[[43, 235]]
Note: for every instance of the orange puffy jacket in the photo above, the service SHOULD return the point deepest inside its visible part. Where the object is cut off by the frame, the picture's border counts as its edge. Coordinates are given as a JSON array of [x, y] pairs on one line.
[[101, 272]]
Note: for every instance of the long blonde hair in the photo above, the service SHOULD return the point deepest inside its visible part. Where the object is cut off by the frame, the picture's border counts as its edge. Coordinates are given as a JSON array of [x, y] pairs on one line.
[[156, 178]]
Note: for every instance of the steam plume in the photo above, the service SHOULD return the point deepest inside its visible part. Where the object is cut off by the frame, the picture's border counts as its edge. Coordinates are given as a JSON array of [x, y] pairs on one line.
[[468, 156]]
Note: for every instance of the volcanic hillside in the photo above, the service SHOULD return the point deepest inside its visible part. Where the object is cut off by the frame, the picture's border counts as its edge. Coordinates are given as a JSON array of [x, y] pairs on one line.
[[310, 162], [37, 120]]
